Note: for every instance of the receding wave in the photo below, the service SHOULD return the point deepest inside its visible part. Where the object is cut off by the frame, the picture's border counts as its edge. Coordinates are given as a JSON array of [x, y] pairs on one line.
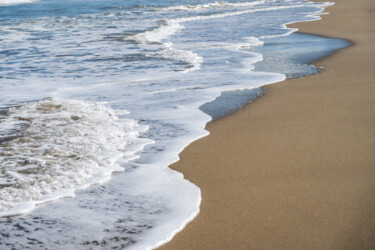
[[159, 34], [56, 144], [174, 25]]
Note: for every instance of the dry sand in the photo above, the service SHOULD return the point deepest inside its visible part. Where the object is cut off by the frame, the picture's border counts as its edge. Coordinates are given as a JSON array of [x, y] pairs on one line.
[[296, 168]]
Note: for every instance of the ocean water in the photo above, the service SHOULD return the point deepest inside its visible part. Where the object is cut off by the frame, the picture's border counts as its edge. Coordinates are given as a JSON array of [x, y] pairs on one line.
[[98, 98]]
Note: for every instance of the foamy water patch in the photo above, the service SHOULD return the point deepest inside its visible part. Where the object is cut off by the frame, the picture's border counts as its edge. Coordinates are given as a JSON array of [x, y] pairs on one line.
[[158, 34], [51, 147], [198, 7], [172, 26], [192, 59], [14, 2]]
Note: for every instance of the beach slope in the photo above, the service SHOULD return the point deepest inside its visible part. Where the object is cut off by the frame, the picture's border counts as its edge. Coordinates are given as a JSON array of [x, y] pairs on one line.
[[296, 168]]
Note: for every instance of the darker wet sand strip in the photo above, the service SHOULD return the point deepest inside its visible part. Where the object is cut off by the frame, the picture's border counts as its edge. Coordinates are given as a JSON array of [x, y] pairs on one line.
[[296, 168]]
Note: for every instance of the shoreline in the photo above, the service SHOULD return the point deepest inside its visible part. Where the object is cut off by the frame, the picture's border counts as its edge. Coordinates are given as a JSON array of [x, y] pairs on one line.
[[294, 169], [301, 62]]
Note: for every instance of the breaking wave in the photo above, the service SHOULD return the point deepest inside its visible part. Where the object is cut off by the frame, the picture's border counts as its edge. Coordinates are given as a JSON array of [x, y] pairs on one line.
[[49, 148]]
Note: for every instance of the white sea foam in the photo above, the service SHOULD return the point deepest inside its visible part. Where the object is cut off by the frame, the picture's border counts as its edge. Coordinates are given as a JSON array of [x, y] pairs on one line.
[[185, 56], [14, 2], [158, 34], [216, 5], [53, 145]]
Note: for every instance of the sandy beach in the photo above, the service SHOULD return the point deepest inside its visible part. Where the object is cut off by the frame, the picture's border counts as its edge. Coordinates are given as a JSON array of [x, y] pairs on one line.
[[296, 168]]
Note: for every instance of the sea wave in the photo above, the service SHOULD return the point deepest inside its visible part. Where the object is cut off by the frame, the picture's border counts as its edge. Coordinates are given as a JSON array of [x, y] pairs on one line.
[[172, 26], [185, 56]]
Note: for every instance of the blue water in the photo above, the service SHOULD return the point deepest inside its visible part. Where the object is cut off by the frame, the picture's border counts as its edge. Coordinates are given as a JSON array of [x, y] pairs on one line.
[[98, 98]]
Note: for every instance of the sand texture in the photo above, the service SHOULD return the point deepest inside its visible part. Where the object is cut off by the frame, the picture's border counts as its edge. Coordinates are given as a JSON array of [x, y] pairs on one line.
[[296, 168]]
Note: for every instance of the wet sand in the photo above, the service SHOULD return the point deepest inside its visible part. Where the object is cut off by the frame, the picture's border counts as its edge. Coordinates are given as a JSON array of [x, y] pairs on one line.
[[295, 169]]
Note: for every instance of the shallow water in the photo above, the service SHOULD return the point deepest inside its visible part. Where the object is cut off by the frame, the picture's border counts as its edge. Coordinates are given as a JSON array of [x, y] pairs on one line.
[[290, 55], [98, 98]]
